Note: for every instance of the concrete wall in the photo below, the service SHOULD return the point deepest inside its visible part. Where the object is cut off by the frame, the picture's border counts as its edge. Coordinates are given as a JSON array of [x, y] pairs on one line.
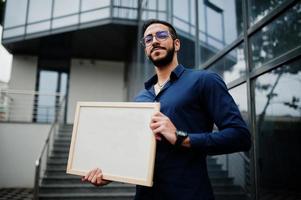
[[20, 146], [23, 73], [23, 77], [95, 81]]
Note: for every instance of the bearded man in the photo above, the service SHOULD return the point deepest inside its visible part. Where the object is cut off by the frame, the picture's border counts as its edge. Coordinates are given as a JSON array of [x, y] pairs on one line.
[[192, 101]]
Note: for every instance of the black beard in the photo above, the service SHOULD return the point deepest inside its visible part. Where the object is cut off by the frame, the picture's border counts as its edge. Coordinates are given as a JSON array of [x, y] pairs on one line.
[[165, 60]]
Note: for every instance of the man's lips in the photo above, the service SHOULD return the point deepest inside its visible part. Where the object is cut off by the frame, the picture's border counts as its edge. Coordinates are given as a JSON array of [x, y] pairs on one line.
[[157, 48]]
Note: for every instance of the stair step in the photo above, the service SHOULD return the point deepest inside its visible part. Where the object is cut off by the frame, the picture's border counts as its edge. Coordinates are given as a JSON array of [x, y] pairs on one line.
[[89, 196], [63, 139], [230, 196], [86, 188], [57, 184]]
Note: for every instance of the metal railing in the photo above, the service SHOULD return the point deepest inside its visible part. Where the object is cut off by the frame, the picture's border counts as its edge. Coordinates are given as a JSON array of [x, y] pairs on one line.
[[28, 106], [41, 162]]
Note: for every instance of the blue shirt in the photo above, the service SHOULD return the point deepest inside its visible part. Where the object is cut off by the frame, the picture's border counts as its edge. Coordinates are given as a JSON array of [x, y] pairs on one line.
[[194, 100]]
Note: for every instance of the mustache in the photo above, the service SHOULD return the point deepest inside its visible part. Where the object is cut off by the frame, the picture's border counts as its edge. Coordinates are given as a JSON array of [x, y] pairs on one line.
[[156, 47]]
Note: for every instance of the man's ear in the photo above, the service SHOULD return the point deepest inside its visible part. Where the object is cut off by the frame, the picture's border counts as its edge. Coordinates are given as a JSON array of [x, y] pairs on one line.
[[177, 45]]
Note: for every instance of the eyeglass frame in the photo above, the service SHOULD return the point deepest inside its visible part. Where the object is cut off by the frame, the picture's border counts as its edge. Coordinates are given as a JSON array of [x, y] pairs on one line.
[[155, 35]]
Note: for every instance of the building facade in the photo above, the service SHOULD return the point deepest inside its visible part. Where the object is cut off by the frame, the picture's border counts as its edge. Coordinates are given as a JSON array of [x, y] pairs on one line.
[[88, 50]]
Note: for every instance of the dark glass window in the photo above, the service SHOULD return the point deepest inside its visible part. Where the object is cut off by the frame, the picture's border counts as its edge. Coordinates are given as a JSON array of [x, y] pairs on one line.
[[259, 9], [277, 38], [232, 65], [52, 88], [278, 122]]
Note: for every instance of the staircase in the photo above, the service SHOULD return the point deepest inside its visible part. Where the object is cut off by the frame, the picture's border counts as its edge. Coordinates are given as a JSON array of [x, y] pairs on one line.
[[223, 186], [56, 184]]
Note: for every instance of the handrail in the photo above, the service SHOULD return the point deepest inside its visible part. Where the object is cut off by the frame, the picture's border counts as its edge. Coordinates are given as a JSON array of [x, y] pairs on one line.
[[29, 92], [244, 157], [46, 146]]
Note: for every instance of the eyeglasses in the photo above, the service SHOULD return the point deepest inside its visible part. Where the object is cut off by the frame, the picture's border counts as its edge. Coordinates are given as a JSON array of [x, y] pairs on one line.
[[160, 36]]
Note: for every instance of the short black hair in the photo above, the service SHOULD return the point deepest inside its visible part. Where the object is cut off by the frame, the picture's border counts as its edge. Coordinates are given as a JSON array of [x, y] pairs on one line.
[[149, 22]]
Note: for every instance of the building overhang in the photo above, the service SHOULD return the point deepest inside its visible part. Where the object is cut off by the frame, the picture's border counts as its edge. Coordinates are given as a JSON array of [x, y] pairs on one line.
[[108, 40]]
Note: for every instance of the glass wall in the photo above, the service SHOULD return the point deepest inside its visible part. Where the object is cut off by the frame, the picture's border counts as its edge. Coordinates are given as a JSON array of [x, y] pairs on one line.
[[258, 9], [154, 9], [15, 23], [220, 23], [43, 16], [278, 122], [278, 37], [231, 66]]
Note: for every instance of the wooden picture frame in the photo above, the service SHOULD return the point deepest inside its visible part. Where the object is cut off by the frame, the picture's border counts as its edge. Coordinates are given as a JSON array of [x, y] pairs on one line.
[[115, 137]]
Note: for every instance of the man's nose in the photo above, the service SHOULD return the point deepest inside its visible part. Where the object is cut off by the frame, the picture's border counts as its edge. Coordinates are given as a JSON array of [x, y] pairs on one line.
[[155, 41]]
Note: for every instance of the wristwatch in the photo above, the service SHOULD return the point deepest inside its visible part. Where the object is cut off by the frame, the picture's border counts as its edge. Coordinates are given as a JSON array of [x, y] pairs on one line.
[[181, 136]]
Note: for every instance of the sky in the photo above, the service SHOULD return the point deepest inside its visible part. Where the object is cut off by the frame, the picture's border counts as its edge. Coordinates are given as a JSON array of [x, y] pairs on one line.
[[5, 62]]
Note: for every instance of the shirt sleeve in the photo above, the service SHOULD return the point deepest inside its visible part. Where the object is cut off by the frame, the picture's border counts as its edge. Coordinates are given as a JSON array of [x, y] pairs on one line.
[[233, 134]]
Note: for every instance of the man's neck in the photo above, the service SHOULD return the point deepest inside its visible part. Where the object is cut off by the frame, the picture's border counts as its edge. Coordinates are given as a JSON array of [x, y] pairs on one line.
[[163, 73]]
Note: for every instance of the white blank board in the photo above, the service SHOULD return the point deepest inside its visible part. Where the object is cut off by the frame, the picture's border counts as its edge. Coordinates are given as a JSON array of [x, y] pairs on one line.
[[116, 138]]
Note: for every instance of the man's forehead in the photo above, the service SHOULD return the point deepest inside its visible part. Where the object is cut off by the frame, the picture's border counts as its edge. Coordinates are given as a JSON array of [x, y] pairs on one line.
[[153, 28]]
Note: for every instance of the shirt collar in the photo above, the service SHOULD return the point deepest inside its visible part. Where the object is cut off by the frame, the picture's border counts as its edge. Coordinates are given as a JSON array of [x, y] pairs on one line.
[[175, 74]]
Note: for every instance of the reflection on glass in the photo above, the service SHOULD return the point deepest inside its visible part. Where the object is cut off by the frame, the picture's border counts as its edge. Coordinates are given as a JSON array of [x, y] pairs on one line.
[[220, 23], [153, 9], [65, 7], [259, 9], [125, 9], [277, 38], [278, 122], [15, 13], [239, 95], [184, 15], [232, 65], [39, 10]]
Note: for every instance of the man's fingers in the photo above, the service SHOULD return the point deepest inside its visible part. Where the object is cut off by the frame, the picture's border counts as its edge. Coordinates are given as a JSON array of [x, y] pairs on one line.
[[154, 125], [92, 174], [98, 178], [158, 130], [156, 119]]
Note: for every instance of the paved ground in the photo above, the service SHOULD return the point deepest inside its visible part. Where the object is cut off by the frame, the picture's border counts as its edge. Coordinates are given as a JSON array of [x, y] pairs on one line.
[[16, 193]]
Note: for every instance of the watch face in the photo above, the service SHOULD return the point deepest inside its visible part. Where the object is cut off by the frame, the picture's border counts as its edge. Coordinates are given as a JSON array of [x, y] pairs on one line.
[[181, 133]]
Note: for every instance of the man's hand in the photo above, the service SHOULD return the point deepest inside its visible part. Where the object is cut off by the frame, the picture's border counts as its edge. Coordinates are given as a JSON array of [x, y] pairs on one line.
[[95, 177], [161, 125]]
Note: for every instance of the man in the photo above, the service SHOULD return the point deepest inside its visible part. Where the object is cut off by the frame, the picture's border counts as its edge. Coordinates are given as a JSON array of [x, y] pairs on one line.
[[191, 102]]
